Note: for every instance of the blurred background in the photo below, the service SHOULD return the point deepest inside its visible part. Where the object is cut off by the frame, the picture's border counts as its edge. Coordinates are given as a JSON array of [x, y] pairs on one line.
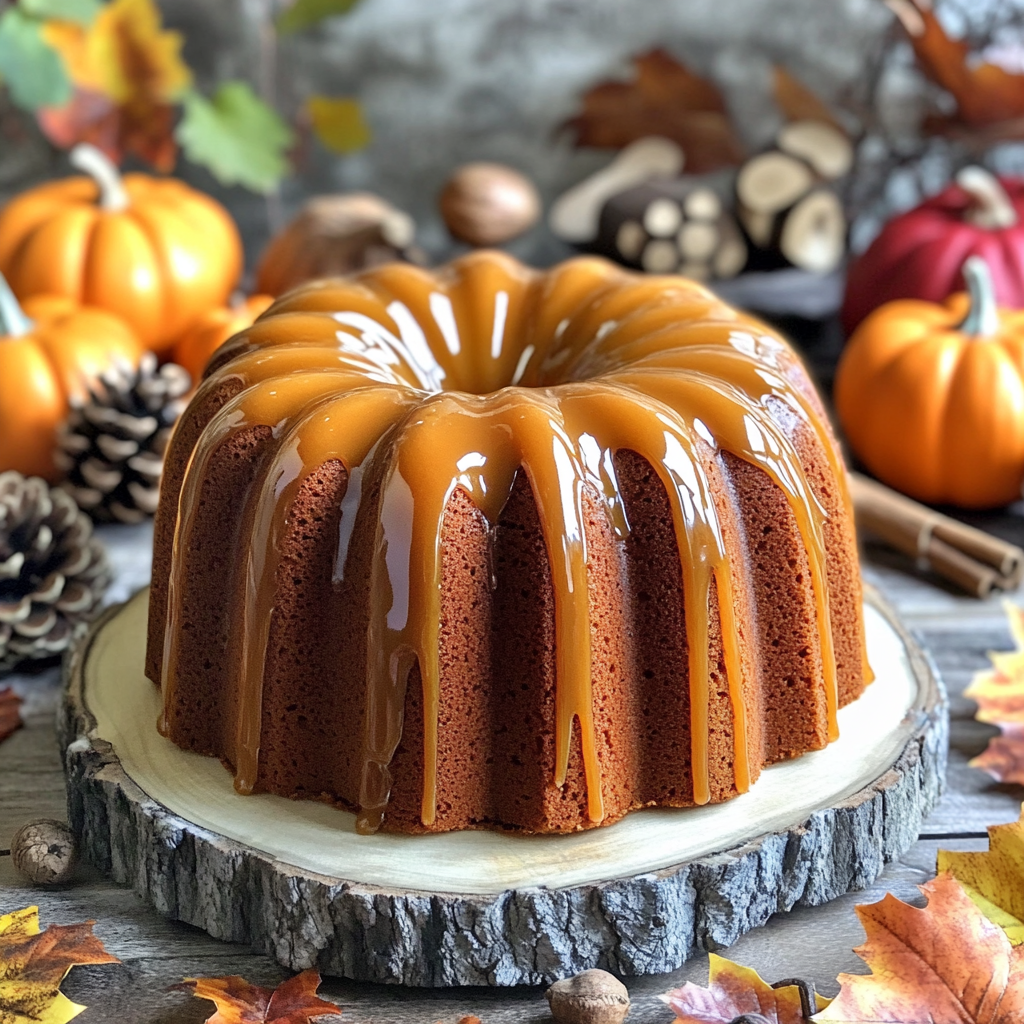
[[435, 85]]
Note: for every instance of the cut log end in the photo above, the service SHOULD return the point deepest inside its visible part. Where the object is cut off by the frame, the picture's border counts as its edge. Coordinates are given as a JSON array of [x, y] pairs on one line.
[[702, 204], [660, 256], [824, 147], [698, 240], [731, 258], [772, 182], [630, 239], [663, 217], [813, 236]]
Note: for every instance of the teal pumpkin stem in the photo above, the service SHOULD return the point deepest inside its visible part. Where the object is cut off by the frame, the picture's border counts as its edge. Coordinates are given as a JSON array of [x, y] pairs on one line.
[[13, 322], [982, 318]]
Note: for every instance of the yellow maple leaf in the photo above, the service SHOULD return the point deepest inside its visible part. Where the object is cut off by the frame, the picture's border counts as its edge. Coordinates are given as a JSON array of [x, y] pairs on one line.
[[994, 879], [339, 123], [125, 54], [33, 964]]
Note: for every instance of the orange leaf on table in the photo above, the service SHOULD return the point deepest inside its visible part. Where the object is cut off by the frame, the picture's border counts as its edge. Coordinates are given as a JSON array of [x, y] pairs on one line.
[[127, 71], [293, 1001], [943, 964], [10, 712], [999, 692], [797, 102], [1003, 758], [733, 991], [994, 878], [33, 964], [985, 93], [667, 99]]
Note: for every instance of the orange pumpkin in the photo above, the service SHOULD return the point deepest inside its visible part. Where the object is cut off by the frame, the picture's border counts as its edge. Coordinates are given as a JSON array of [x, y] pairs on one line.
[[48, 353], [931, 396], [152, 250], [212, 329]]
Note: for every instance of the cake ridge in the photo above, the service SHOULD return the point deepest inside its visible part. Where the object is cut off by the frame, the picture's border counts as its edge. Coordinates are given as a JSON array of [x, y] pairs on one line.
[[649, 381]]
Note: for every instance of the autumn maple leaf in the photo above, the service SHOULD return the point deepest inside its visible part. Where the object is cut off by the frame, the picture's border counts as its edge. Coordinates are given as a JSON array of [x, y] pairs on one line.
[[734, 991], [985, 93], [665, 99], [293, 1001], [994, 879], [33, 965], [943, 964], [999, 692], [797, 102], [127, 72], [124, 53]]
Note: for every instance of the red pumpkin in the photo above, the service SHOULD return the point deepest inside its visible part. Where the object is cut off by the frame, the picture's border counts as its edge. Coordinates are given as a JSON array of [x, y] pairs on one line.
[[918, 255]]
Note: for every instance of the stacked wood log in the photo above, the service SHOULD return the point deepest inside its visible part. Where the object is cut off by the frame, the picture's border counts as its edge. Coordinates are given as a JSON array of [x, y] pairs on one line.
[[679, 225], [787, 202]]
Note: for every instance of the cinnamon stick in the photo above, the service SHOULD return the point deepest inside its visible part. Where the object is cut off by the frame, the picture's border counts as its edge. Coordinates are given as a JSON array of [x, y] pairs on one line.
[[972, 559]]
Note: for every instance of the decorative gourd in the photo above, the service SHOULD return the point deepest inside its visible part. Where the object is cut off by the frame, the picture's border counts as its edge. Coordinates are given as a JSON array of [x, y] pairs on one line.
[[918, 255], [931, 397], [197, 344], [154, 251], [48, 352]]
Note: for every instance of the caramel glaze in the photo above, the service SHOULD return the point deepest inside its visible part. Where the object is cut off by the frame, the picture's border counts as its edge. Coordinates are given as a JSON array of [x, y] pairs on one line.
[[428, 383]]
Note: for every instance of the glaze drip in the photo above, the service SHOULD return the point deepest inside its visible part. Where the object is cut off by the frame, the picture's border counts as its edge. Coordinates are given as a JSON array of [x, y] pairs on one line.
[[428, 383]]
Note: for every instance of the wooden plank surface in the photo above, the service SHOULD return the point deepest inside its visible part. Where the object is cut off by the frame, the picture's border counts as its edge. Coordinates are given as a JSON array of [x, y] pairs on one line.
[[815, 943]]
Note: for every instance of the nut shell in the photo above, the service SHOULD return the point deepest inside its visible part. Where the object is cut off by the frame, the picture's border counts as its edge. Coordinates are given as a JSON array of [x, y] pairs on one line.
[[334, 235], [592, 997], [45, 852], [488, 204]]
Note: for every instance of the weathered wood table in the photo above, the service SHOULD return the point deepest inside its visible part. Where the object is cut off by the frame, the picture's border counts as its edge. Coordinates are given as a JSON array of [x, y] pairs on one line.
[[813, 943]]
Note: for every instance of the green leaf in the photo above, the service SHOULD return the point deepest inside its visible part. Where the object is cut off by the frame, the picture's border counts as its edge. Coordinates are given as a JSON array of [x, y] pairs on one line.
[[32, 69], [306, 13], [81, 11], [240, 139]]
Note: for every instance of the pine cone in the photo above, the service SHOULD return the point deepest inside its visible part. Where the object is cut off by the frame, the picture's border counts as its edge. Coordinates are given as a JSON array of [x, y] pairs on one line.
[[53, 572], [111, 448]]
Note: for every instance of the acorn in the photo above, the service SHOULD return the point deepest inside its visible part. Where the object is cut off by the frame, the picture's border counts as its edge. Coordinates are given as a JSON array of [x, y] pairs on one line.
[[45, 852], [487, 204], [592, 997]]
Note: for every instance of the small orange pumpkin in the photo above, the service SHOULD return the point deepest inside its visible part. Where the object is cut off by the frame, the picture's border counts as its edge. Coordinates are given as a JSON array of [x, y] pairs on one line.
[[931, 396], [152, 250], [213, 328], [48, 352]]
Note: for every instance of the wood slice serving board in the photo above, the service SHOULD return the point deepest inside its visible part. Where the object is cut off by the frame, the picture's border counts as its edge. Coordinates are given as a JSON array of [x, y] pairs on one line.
[[294, 880]]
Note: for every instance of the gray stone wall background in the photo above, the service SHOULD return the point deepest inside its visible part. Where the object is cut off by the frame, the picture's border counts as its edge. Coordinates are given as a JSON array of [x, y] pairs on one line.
[[446, 81]]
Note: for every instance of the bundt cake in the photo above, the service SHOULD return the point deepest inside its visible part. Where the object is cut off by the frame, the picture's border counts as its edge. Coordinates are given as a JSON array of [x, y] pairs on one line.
[[490, 547]]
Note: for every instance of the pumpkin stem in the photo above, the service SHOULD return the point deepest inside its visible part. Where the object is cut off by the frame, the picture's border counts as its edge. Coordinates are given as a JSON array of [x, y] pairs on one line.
[[13, 322], [990, 205], [101, 169], [982, 318]]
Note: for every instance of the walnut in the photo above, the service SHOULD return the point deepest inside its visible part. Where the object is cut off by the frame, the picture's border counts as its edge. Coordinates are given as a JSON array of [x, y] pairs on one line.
[[593, 997], [488, 204], [45, 851]]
